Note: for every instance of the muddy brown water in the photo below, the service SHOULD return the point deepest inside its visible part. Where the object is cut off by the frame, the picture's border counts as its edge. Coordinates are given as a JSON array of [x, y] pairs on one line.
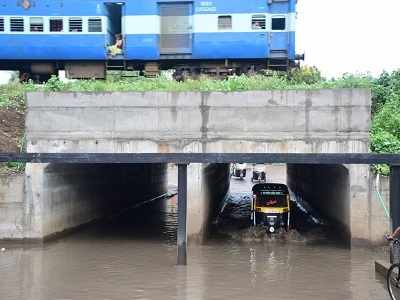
[[134, 256]]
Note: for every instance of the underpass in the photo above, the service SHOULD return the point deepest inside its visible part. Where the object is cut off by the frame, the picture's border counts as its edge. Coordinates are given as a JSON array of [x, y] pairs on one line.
[[60, 198]]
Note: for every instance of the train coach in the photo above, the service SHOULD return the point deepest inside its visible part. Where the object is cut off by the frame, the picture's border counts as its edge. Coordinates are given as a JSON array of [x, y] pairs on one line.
[[40, 37]]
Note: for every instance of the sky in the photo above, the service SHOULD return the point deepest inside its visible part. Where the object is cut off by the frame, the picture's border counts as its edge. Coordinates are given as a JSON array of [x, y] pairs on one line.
[[340, 36], [346, 36]]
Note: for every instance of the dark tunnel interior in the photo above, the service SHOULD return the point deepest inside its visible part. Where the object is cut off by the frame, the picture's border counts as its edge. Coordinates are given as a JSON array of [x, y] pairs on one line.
[[119, 194]]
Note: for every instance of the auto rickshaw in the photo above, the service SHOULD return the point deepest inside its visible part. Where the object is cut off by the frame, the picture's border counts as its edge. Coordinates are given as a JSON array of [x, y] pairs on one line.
[[239, 170], [258, 173], [270, 206]]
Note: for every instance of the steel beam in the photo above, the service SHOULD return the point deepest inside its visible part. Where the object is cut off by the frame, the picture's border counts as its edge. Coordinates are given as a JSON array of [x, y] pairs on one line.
[[395, 196], [182, 215], [186, 158]]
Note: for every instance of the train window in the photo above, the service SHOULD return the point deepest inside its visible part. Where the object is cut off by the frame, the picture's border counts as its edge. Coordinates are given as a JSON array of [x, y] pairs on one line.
[[17, 24], [278, 23], [75, 24], [56, 25], [258, 22], [1, 24], [95, 25], [36, 24], [224, 22]]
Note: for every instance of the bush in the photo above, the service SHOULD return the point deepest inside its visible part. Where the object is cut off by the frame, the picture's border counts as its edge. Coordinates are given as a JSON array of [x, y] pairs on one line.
[[384, 88], [306, 75]]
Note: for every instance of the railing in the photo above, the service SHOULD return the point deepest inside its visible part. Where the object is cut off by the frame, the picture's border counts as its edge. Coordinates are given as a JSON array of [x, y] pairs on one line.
[[186, 158]]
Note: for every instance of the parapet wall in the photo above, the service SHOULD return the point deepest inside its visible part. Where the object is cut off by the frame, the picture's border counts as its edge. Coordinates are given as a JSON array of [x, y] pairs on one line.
[[260, 121]]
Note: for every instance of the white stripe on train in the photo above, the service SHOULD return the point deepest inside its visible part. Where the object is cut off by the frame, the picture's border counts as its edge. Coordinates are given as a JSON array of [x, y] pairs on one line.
[[150, 24], [205, 23]]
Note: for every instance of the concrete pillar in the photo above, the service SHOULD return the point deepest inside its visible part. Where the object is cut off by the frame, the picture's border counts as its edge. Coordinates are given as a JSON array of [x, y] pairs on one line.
[[182, 215], [197, 202], [361, 221], [12, 206], [34, 174], [380, 207], [208, 185], [369, 222]]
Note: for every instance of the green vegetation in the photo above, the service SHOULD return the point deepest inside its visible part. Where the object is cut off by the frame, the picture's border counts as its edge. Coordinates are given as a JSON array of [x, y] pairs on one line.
[[385, 132], [12, 95]]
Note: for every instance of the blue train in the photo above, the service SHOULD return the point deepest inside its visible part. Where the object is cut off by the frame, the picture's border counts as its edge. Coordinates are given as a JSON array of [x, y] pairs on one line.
[[40, 37]]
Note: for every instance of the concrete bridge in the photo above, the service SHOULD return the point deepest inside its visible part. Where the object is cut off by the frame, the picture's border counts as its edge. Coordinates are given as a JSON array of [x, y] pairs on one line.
[[59, 197]]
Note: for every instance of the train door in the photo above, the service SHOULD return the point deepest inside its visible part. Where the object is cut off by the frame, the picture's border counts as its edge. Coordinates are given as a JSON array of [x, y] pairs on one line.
[[176, 28], [114, 12], [279, 34], [279, 37]]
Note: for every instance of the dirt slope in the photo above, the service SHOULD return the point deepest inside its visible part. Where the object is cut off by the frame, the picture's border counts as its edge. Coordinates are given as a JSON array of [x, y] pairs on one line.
[[12, 124]]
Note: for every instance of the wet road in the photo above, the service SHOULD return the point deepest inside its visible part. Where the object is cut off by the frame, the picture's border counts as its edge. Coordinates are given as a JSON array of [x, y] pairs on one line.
[[134, 256]]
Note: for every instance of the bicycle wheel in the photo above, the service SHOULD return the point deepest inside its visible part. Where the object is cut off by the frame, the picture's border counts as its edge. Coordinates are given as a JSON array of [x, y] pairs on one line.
[[393, 281]]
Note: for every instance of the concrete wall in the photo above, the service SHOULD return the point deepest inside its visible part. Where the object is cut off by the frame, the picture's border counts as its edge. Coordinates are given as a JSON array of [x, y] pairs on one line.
[[330, 121], [265, 121], [12, 207], [380, 222]]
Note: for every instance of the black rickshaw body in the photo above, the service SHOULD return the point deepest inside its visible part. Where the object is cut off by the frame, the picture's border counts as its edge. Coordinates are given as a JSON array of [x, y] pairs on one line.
[[271, 206]]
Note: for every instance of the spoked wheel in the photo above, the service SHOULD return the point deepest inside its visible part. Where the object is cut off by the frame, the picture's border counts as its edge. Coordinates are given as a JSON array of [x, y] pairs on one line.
[[393, 281]]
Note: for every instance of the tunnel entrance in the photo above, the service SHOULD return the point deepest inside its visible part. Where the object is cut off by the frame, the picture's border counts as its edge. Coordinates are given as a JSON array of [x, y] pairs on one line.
[[326, 188], [66, 196], [320, 198], [73, 195]]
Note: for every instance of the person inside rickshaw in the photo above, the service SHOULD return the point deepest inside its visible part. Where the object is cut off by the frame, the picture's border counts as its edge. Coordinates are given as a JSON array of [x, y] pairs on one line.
[[116, 49]]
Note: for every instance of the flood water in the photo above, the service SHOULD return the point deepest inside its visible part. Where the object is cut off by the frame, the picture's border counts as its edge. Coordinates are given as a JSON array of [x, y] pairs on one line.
[[134, 257]]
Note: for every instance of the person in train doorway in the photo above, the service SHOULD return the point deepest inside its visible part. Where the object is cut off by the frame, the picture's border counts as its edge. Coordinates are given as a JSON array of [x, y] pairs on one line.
[[116, 49]]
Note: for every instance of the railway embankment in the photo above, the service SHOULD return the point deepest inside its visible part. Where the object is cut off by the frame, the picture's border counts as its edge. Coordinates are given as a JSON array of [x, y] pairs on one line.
[[326, 107], [13, 95], [302, 121], [384, 133]]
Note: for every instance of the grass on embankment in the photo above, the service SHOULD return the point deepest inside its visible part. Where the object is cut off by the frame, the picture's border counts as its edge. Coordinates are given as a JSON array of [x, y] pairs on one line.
[[12, 95]]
